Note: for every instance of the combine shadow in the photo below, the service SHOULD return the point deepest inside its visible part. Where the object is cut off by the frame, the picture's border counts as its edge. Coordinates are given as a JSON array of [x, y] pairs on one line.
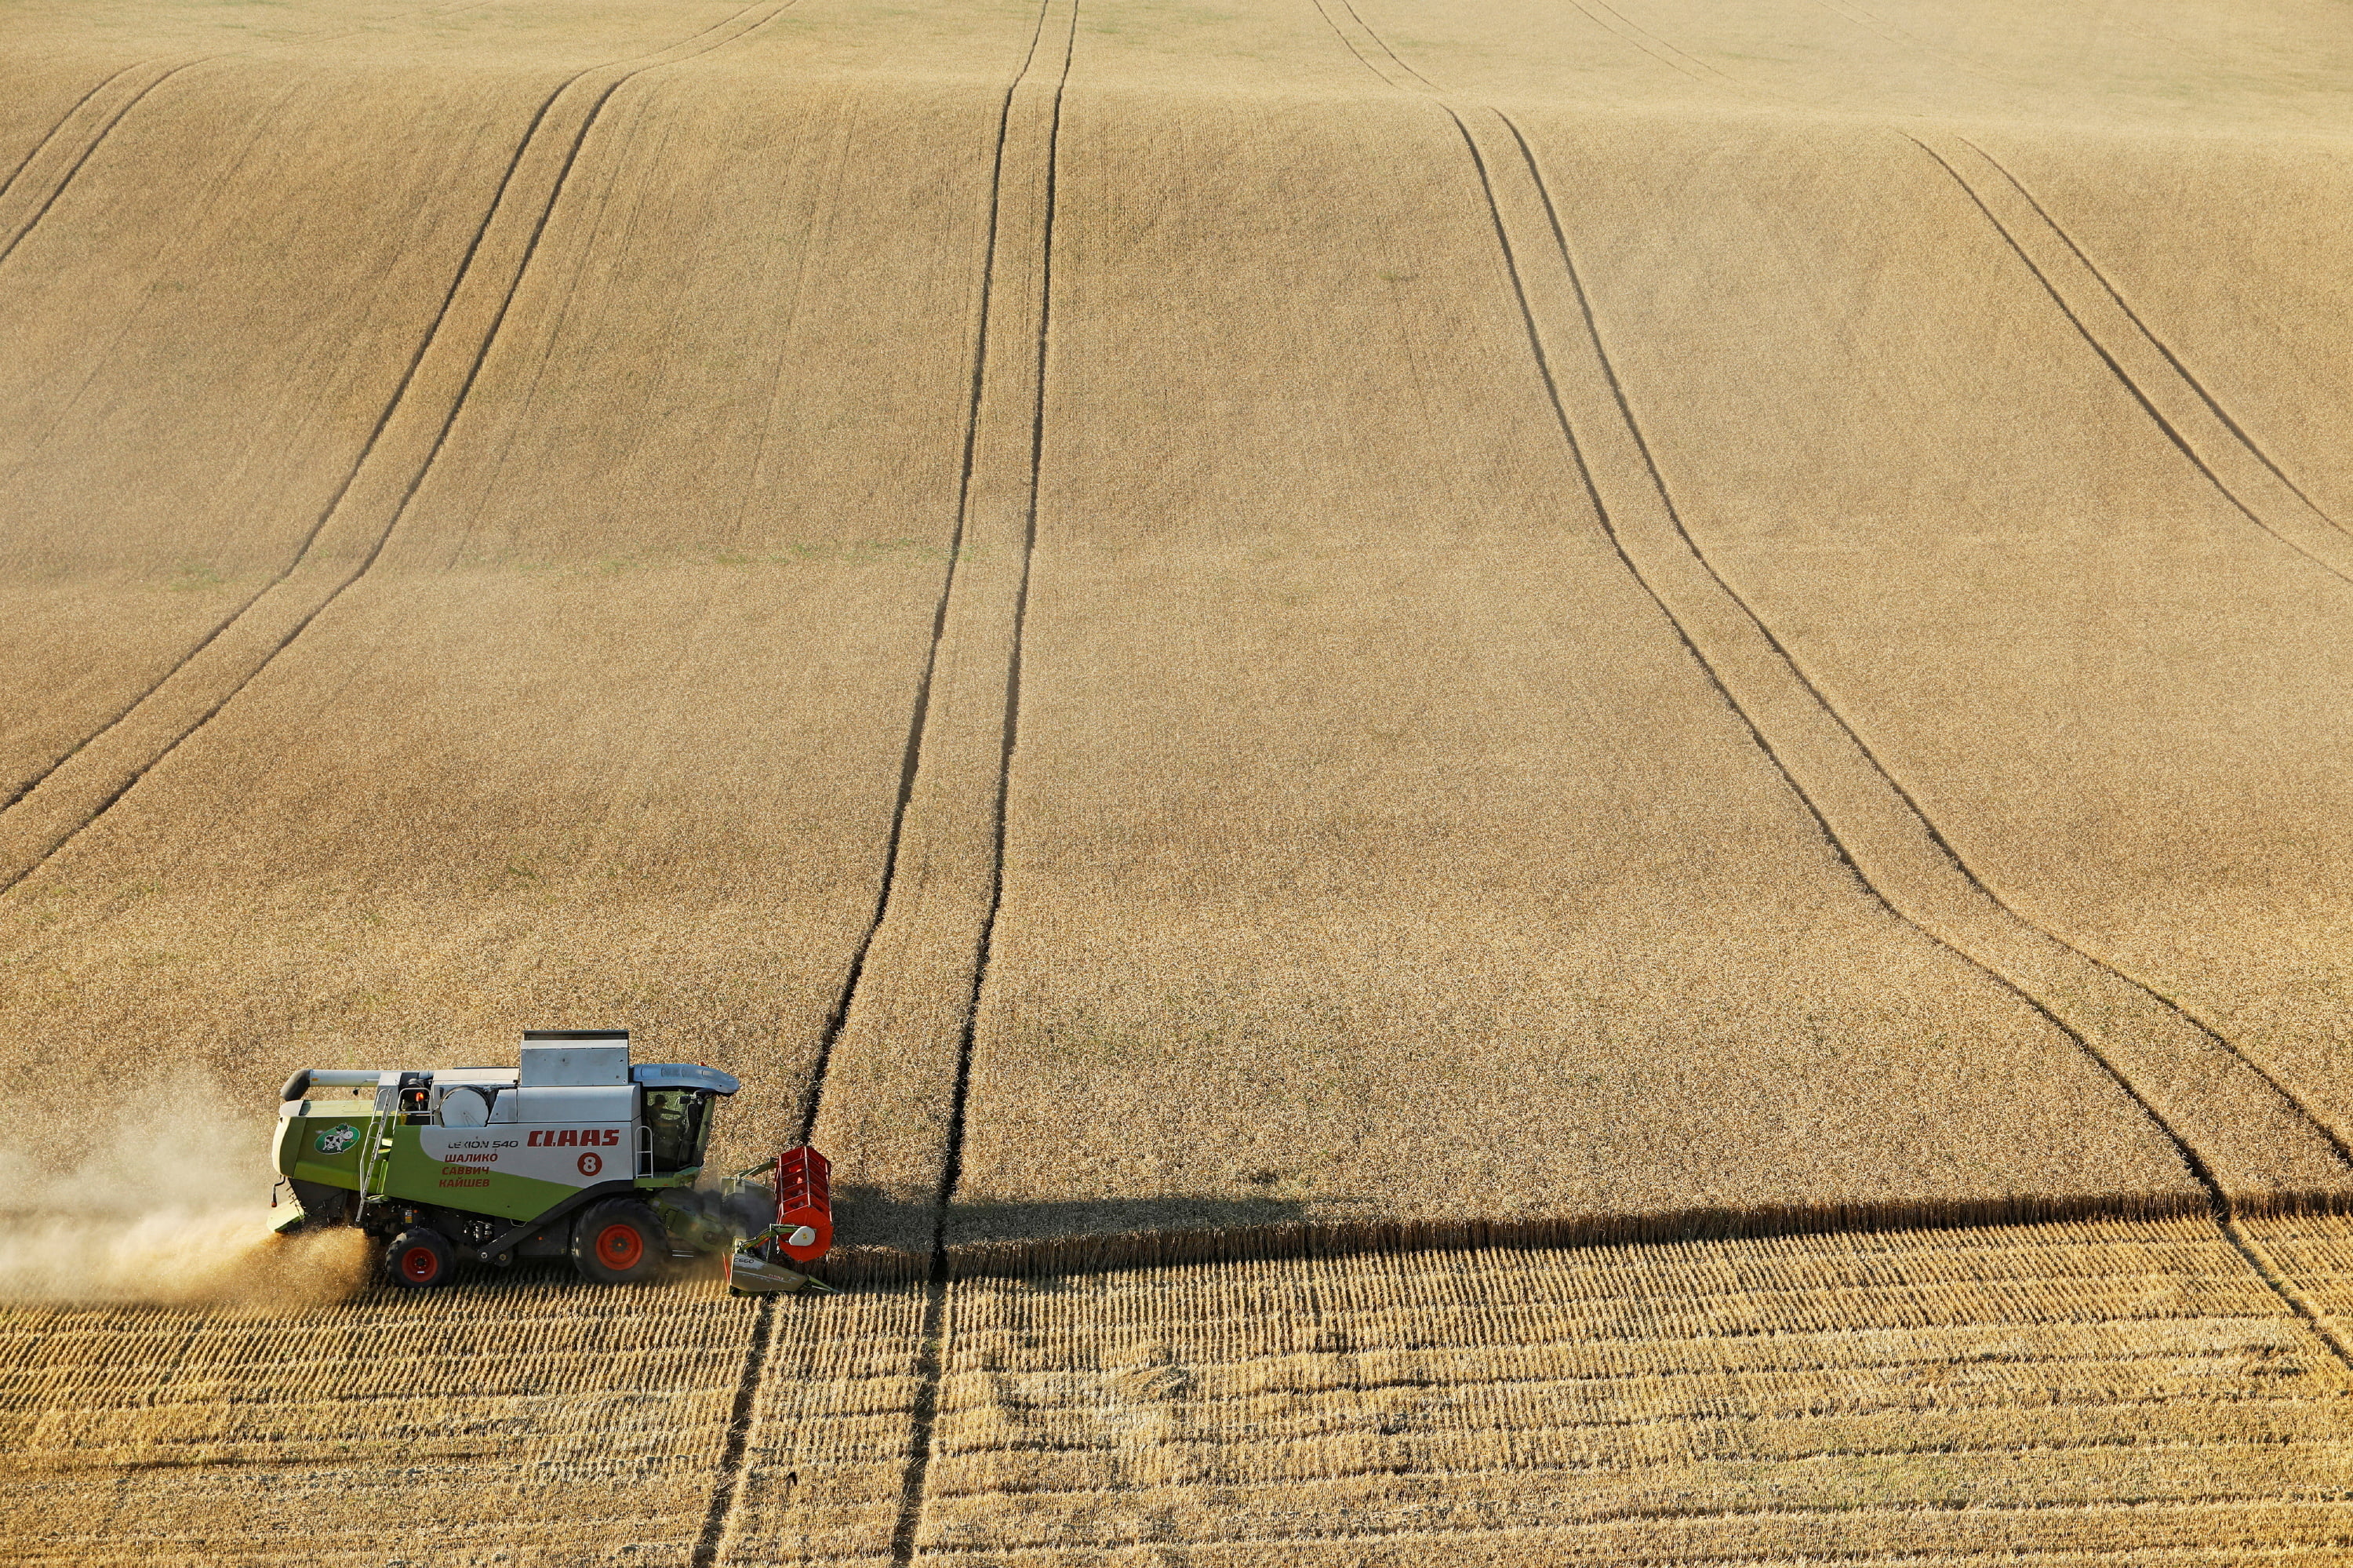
[[880, 1237]]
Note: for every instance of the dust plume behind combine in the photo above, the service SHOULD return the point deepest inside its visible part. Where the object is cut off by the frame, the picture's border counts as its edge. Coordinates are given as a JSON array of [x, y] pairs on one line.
[[161, 1206]]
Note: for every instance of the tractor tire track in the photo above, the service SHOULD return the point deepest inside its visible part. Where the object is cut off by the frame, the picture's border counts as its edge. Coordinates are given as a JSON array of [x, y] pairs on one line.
[[2248, 1141], [36, 184], [911, 755], [2200, 1089], [902, 1055], [57, 129], [899, 1052], [2190, 417], [375, 494]]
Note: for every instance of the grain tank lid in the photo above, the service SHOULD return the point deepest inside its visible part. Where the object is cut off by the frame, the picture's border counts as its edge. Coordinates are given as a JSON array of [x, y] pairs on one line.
[[574, 1058], [683, 1075]]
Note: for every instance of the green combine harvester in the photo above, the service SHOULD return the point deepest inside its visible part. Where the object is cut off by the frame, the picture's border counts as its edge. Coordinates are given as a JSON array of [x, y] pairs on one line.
[[575, 1153]]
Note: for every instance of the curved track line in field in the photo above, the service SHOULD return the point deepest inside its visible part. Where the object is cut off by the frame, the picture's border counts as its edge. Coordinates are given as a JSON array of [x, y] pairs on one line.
[[2238, 432], [117, 774], [334, 498], [108, 114], [2219, 1195], [1884, 832], [2299, 526], [1868, 791], [1641, 37], [50, 136], [1910, 803], [1358, 47]]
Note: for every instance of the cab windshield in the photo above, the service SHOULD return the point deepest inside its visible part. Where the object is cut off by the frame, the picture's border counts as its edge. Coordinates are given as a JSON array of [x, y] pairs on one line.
[[678, 1121]]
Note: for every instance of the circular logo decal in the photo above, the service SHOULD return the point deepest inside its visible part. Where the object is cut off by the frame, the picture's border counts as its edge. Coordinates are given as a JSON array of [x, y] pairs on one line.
[[591, 1164], [335, 1139]]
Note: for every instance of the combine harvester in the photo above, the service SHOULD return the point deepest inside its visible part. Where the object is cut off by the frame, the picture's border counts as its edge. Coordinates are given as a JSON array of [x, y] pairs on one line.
[[575, 1153]]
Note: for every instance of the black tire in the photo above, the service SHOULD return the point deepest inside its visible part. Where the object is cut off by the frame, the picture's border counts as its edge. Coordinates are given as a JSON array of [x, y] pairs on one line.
[[619, 1242], [419, 1259]]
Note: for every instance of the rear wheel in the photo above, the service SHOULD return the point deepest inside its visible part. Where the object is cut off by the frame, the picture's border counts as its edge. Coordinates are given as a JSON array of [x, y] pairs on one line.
[[618, 1242], [419, 1259]]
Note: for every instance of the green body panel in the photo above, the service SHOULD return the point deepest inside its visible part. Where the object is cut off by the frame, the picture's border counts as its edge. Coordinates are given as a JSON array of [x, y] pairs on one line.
[[324, 1148], [418, 1177], [326, 1145]]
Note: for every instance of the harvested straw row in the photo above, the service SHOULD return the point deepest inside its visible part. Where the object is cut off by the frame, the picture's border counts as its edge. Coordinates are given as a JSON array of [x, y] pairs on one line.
[[498, 1418], [1367, 1422], [1761, 1400]]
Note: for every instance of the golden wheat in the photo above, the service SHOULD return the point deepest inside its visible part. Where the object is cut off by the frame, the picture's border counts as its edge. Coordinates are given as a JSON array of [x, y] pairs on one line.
[[1368, 625]]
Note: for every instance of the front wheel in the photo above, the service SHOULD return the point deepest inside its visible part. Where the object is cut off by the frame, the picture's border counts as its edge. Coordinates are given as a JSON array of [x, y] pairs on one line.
[[419, 1259], [618, 1242]]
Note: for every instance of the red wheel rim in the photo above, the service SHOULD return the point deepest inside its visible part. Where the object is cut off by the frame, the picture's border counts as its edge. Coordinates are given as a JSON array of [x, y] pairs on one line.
[[419, 1265], [618, 1245]]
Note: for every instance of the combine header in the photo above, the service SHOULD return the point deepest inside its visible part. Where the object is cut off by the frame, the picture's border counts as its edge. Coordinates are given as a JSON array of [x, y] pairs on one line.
[[576, 1152]]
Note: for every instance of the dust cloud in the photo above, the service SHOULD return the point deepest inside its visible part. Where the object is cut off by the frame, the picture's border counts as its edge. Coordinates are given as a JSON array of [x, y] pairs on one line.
[[168, 1204]]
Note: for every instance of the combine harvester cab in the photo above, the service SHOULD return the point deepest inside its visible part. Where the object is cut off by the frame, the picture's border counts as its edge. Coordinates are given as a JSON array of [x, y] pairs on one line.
[[576, 1152]]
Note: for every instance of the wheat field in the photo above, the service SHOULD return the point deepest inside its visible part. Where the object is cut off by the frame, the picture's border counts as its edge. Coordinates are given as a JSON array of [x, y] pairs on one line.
[[1537, 781]]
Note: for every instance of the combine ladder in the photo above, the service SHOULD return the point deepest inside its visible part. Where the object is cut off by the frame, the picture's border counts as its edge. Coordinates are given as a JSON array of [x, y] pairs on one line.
[[375, 1154]]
